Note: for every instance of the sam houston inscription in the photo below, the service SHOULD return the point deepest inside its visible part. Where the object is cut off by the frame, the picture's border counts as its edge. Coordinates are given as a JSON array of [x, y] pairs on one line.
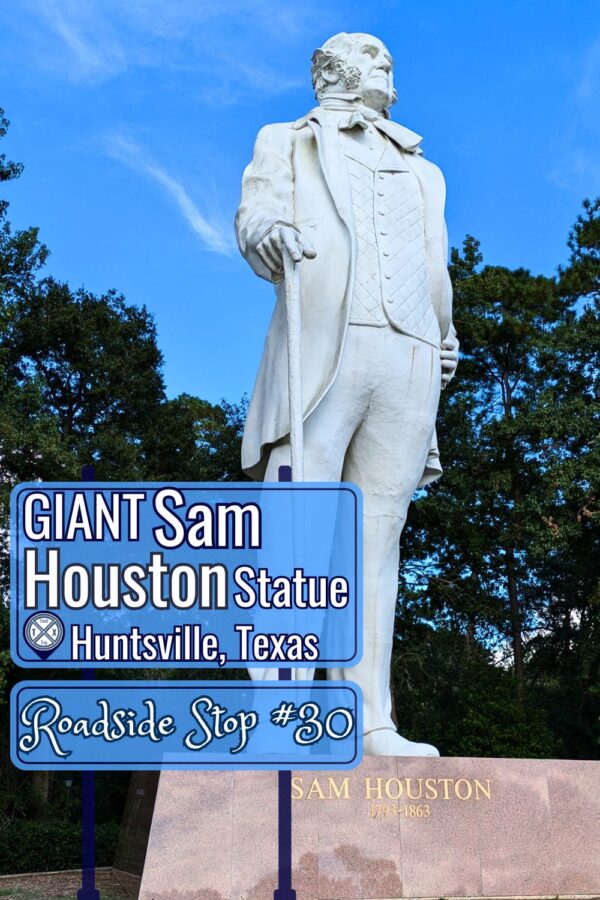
[[412, 798]]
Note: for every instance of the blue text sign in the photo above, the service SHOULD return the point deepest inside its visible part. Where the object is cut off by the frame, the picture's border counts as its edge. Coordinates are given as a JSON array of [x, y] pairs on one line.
[[185, 725], [186, 575]]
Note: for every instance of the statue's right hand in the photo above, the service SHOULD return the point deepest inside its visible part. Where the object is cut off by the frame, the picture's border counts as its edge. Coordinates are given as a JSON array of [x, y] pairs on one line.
[[282, 238]]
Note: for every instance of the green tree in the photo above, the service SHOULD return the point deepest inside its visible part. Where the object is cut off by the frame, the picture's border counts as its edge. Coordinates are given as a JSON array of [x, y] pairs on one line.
[[193, 440], [477, 517], [81, 381], [21, 256], [488, 547], [565, 653], [21, 253], [94, 364]]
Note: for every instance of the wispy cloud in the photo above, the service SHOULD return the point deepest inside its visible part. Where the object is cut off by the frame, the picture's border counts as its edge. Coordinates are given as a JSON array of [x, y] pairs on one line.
[[578, 158], [211, 233], [588, 87], [88, 47], [577, 149], [96, 40], [575, 165], [245, 81]]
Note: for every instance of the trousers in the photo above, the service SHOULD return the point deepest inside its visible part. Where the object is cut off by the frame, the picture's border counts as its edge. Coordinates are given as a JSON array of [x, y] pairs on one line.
[[374, 428]]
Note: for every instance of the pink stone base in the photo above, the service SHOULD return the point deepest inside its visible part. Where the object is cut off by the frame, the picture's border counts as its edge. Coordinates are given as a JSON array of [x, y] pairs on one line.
[[214, 834]]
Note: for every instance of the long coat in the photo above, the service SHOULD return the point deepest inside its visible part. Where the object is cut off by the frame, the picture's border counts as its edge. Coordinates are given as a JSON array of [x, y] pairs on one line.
[[298, 176]]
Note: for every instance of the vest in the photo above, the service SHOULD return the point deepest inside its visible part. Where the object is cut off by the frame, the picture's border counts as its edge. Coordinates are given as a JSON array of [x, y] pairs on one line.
[[391, 280]]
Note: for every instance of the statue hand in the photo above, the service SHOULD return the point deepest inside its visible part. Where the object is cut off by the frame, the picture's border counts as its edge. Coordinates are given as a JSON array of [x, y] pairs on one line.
[[449, 359], [280, 237]]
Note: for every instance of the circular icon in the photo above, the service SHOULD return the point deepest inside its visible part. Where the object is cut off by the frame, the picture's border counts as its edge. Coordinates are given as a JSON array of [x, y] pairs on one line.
[[44, 632]]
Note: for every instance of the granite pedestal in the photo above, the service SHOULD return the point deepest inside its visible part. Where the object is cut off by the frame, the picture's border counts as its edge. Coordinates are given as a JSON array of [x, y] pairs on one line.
[[394, 827]]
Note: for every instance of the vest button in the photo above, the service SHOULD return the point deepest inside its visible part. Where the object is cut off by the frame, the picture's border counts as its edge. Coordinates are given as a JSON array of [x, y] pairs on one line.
[[380, 194], [388, 276], [386, 252]]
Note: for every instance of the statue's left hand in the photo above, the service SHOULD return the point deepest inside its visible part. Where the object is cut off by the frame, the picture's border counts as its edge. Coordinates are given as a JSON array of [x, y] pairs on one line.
[[449, 359]]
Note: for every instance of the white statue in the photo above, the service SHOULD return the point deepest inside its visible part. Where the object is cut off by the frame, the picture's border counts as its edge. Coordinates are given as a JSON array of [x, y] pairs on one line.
[[347, 191]]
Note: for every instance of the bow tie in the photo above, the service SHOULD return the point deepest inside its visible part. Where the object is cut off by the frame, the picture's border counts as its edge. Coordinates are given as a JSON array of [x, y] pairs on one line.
[[360, 118], [355, 114]]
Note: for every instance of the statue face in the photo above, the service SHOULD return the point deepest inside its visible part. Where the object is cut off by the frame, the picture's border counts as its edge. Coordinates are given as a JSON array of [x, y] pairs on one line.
[[372, 59]]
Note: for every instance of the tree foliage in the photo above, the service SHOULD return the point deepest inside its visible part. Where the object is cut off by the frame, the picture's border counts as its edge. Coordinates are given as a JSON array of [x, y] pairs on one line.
[[503, 552], [81, 382]]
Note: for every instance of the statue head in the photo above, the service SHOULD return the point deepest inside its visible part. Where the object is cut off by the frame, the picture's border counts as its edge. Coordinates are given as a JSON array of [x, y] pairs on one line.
[[357, 63]]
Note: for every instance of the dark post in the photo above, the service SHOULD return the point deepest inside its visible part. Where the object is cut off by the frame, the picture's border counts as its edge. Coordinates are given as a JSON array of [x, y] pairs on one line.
[[88, 890], [284, 890]]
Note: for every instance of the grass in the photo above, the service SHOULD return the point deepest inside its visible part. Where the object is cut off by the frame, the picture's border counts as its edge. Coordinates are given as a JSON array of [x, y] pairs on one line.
[[25, 894]]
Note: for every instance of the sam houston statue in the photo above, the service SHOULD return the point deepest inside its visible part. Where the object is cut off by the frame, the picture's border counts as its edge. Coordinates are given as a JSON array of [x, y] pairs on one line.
[[347, 191]]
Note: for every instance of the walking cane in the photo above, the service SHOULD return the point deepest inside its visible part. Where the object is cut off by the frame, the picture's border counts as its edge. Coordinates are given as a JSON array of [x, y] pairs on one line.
[[291, 272]]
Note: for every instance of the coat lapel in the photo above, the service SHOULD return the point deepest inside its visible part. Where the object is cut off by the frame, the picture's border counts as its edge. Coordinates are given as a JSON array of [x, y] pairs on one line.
[[331, 158], [405, 138], [393, 160]]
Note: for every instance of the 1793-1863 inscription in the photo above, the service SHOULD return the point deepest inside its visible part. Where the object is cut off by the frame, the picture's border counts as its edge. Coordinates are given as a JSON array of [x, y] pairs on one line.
[[413, 798]]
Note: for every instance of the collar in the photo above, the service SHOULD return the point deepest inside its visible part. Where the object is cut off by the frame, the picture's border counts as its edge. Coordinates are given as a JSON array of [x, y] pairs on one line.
[[406, 139], [345, 102]]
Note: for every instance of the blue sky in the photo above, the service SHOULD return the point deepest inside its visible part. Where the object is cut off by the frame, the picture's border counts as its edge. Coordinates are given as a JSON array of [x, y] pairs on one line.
[[135, 118]]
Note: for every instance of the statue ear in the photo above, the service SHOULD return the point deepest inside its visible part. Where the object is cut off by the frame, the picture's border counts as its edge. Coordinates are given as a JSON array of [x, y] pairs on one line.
[[330, 75]]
